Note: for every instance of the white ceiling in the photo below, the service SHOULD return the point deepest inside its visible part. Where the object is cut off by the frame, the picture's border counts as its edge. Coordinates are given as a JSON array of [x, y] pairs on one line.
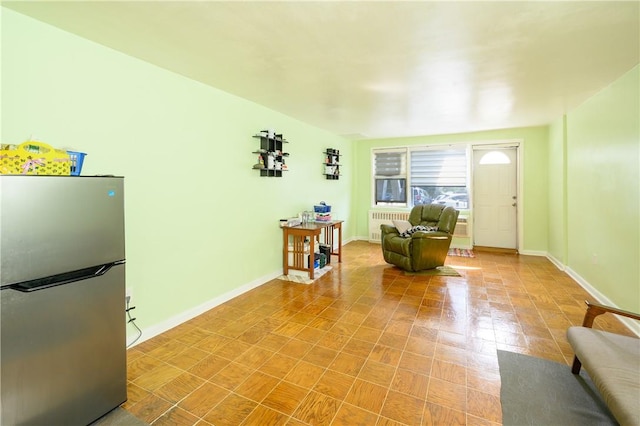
[[376, 69]]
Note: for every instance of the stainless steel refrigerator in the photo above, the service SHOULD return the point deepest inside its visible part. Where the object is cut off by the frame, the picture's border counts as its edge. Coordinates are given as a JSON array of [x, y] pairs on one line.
[[62, 291]]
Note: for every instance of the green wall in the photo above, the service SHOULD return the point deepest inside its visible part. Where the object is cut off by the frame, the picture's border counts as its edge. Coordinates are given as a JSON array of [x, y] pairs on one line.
[[534, 176], [603, 191], [200, 223], [557, 224]]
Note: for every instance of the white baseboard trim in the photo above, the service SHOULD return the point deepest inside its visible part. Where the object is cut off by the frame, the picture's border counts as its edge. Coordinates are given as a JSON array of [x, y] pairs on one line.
[[632, 325], [347, 241], [461, 246], [556, 262], [176, 320], [365, 238], [533, 253]]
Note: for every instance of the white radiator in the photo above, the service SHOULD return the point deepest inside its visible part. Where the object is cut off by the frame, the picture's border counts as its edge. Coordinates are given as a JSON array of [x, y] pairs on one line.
[[462, 227], [377, 218]]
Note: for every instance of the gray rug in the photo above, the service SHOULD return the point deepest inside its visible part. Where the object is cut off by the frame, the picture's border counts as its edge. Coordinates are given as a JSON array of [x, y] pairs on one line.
[[540, 392], [118, 417]]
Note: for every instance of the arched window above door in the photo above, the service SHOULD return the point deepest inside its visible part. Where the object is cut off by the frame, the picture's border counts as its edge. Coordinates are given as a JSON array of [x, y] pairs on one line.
[[495, 157]]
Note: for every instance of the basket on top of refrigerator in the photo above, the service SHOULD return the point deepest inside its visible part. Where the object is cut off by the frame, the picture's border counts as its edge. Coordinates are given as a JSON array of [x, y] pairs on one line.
[[39, 158], [77, 158]]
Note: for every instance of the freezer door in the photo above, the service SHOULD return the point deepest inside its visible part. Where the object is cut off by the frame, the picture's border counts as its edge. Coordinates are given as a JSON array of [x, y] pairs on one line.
[[55, 224], [63, 351]]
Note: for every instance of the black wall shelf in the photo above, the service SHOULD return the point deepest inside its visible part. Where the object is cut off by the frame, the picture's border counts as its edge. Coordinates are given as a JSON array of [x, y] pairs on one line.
[[332, 164], [271, 157]]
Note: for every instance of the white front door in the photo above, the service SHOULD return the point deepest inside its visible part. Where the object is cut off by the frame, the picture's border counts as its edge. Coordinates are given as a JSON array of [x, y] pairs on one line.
[[495, 198]]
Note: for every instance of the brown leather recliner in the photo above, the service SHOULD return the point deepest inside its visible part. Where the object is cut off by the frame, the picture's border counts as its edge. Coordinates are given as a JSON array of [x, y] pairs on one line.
[[422, 249]]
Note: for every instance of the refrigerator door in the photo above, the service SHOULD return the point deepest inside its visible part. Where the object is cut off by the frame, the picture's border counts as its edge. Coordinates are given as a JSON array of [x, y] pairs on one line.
[[57, 224], [63, 351]]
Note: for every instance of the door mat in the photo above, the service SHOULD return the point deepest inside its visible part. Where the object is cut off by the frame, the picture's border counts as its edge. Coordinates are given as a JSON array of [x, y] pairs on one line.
[[443, 271], [461, 252], [304, 279]]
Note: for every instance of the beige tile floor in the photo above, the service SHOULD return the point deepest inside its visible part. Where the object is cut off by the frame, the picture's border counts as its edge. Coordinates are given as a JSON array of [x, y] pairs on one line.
[[362, 345]]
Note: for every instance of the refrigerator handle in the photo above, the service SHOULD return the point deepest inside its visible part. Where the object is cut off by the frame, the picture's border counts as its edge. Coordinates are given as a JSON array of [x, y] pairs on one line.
[[64, 278], [104, 268]]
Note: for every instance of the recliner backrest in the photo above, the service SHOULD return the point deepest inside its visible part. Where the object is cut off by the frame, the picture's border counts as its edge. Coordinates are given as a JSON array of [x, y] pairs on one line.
[[438, 215], [426, 214]]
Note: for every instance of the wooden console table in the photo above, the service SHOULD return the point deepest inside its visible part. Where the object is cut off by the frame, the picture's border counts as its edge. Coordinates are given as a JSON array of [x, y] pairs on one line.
[[311, 231]]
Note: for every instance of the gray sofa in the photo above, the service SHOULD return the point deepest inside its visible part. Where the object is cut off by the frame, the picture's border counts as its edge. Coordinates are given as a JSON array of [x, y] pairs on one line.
[[612, 361]]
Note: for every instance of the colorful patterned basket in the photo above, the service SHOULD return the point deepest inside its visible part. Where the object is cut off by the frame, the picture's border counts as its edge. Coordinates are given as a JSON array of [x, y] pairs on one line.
[[34, 158]]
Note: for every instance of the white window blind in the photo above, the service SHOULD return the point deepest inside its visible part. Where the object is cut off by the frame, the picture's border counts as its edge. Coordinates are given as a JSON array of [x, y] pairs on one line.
[[439, 167], [390, 164]]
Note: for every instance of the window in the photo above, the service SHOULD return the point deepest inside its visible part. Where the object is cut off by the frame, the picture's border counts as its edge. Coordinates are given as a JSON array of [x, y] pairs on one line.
[[390, 176], [434, 175], [439, 175]]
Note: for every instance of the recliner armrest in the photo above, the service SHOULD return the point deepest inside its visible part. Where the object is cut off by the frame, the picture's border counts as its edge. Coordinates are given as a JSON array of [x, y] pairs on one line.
[[388, 229], [433, 235]]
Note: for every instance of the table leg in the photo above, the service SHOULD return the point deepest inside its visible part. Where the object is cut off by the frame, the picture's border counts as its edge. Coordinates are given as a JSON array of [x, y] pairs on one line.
[[312, 259], [339, 243], [285, 252]]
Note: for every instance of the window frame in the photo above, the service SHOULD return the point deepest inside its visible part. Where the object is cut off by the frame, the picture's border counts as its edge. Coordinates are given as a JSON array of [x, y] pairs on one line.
[[403, 175], [407, 151]]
